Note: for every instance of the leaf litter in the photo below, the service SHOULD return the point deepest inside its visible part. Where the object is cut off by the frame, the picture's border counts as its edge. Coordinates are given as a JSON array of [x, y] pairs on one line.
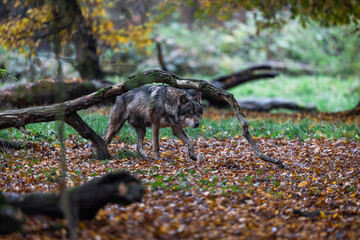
[[227, 194]]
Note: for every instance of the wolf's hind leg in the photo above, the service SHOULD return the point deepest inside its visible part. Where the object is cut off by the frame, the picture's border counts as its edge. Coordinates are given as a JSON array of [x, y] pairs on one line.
[[181, 134], [155, 140], [141, 132]]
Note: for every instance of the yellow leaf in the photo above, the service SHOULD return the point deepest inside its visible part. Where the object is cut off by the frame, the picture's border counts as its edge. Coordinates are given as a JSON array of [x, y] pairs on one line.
[[82, 225], [163, 229], [322, 214], [218, 221], [109, 25], [303, 184]]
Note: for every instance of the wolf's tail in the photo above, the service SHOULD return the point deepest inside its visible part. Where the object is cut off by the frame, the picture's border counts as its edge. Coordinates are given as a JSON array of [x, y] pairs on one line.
[[116, 120]]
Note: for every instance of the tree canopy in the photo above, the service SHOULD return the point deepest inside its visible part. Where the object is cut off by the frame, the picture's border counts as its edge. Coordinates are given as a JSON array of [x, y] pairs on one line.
[[33, 21], [330, 12], [84, 27], [87, 29]]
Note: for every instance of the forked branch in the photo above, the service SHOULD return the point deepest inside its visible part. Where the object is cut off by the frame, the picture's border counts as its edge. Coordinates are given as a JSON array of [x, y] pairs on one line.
[[19, 118]]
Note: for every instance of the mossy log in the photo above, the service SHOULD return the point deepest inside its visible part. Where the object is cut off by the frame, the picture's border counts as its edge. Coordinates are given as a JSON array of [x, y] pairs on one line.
[[42, 92], [66, 110]]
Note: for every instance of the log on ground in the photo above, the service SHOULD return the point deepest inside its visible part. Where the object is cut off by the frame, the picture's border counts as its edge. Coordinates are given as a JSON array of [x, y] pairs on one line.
[[86, 199]]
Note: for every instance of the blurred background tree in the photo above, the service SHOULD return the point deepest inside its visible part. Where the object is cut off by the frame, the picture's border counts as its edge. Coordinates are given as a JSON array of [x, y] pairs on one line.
[[95, 32], [201, 38], [86, 29]]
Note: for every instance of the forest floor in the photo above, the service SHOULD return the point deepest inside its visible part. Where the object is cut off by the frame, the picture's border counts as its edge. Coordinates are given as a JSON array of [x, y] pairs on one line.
[[226, 194]]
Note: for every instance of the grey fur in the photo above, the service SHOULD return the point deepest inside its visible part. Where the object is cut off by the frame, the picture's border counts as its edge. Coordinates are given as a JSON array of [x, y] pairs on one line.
[[156, 106]]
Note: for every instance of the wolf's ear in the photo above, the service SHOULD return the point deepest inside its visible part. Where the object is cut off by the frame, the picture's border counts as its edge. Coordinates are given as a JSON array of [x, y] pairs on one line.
[[183, 99], [198, 97]]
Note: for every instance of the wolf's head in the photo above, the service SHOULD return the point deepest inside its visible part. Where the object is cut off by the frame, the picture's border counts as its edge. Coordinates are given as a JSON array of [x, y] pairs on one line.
[[190, 110]]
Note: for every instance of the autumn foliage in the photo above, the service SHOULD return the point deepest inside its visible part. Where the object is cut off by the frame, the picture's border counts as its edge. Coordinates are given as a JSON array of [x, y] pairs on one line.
[[39, 22], [226, 194]]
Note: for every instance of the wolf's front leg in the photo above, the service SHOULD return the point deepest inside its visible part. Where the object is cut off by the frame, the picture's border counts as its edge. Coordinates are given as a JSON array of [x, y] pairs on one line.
[[141, 132], [181, 134], [155, 139]]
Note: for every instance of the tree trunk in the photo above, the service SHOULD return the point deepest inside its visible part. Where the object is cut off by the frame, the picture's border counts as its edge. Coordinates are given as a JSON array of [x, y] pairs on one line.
[[86, 199], [160, 56], [87, 60], [188, 13], [86, 132]]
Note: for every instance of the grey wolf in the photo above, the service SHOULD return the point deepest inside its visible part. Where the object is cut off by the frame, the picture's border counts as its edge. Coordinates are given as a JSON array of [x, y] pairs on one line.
[[156, 106]]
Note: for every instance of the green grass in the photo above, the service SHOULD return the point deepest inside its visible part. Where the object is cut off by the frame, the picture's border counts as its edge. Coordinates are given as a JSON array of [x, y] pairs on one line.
[[328, 94], [302, 130]]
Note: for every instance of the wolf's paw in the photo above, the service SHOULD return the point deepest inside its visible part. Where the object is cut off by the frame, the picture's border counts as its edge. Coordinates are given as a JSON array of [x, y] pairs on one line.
[[143, 155], [156, 156], [192, 156]]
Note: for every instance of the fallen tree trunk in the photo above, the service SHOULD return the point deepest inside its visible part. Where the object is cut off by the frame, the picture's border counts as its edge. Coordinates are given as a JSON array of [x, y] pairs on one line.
[[19, 118], [268, 104], [42, 92], [249, 74], [261, 71], [85, 200], [5, 144], [11, 218], [252, 73], [295, 68]]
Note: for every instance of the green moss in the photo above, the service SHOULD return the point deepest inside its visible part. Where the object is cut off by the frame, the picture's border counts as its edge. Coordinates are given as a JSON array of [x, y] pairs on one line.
[[101, 92], [152, 76], [139, 80]]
